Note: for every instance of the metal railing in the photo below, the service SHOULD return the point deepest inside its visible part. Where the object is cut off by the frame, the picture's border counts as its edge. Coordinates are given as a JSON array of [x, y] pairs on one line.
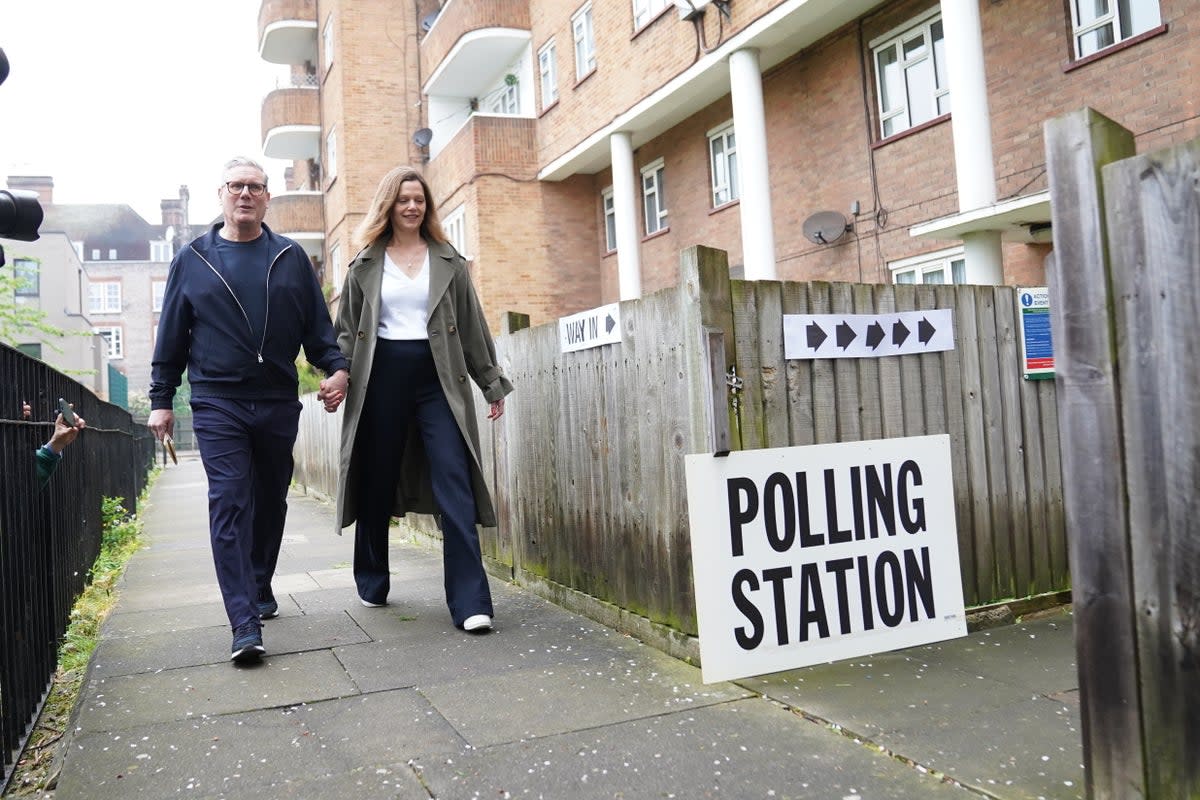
[[50, 534]]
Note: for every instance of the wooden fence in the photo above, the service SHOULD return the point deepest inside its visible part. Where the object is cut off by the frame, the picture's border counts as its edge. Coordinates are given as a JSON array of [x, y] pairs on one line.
[[588, 458], [1127, 275]]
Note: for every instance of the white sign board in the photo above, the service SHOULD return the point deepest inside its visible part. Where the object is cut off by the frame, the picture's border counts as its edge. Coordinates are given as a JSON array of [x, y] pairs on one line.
[[803, 555], [590, 328], [867, 335]]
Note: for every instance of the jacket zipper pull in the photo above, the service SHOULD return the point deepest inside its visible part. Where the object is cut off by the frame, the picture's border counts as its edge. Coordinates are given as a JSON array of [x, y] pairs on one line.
[[260, 358]]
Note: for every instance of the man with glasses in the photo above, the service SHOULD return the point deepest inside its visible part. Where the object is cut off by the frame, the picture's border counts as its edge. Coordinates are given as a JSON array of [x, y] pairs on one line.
[[240, 302]]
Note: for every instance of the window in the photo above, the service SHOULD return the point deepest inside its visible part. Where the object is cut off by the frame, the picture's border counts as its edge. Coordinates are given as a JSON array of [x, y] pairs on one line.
[[335, 266], [112, 336], [331, 155], [95, 254], [157, 290], [104, 297], [945, 266], [722, 153], [910, 76], [26, 271], [548, 74], [585, 41], [505, 100], [654, 197], [160, 251], [455, 226], [610, 220], [646, 10], [31, 349], [1102, 23], [327, 42], [112, 254]]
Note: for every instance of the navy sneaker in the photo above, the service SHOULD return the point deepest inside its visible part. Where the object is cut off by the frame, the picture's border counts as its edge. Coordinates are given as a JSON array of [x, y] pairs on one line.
[[267, 607], [247, 643]]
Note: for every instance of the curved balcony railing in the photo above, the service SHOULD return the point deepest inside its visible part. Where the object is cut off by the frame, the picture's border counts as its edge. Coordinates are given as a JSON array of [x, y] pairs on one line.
[[291, 124], [462, 17], [287, 31]]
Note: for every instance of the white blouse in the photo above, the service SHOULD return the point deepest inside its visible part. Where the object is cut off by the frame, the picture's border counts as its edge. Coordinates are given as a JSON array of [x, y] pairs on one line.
[[404, 302]]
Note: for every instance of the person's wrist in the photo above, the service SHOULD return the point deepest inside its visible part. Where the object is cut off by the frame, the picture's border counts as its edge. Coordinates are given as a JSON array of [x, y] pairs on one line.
[[49, 448]]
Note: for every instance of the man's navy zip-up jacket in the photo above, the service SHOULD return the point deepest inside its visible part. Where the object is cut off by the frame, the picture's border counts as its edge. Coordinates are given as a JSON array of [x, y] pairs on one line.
[[204, 327]]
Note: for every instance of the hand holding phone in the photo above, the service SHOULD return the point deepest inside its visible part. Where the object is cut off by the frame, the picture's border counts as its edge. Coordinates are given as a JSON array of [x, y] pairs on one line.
[[68, 414]]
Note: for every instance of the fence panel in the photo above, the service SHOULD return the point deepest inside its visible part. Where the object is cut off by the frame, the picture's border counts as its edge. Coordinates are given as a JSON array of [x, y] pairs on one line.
[[50, 535]]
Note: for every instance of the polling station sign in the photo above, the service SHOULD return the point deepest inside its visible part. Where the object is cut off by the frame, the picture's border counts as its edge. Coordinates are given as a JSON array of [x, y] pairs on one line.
[[803, 555]]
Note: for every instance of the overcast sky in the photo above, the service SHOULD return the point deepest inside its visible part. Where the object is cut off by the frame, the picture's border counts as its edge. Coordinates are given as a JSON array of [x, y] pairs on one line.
[[125, 101]]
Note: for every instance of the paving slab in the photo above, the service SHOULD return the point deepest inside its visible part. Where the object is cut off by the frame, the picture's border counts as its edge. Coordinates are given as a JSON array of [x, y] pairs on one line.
[[742, 749], [127, 701], [348, 743]]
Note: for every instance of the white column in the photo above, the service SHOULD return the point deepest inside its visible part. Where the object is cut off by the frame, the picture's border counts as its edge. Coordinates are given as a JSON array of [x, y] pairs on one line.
[[984, 257], [972, 126], [749, 123], [971, 121], [629, 263]]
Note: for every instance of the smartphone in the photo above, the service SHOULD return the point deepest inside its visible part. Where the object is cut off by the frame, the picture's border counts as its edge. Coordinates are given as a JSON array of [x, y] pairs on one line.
[[68, 414]]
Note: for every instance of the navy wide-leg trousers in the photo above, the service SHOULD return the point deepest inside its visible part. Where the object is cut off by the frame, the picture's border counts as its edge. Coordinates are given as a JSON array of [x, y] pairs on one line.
[[246, 446], [404, 390]]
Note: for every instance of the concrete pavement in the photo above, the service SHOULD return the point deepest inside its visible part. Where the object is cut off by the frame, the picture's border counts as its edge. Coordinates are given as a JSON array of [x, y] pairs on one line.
[[394, 702]]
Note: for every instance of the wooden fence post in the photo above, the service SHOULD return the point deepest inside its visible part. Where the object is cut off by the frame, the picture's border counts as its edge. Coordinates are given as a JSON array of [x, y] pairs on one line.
[[1077, 146], [1153, 215], [706, 319]]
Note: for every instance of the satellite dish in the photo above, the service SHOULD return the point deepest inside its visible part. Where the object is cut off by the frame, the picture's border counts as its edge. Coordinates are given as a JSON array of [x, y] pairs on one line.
[[423, 137], [427, 22], [825, 227]]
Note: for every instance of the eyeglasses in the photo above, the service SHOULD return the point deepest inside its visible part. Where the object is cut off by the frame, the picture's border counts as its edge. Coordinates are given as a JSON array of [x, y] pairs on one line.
[[236, 187]]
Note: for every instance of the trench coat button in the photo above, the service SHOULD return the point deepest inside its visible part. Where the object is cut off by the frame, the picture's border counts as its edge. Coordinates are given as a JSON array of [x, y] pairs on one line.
[[362, 334], [462, 378], [453, 329], [433, 333]]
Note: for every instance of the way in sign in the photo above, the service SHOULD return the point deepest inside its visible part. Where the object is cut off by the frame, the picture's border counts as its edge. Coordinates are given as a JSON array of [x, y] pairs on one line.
[[590, 328]]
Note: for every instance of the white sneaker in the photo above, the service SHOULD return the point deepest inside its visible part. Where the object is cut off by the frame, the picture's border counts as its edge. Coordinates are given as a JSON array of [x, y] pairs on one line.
[[369, 604], [477, 622]]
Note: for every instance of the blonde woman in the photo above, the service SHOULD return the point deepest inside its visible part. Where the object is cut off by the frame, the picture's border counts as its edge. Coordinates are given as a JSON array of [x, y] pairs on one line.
[[410, 324]]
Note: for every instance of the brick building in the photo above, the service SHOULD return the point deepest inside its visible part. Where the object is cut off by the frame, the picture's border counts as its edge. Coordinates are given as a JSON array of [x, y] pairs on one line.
[[576, 146]]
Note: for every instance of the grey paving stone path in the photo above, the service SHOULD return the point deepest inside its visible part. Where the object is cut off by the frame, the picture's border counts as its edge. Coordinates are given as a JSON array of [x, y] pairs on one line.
[[393, 702]]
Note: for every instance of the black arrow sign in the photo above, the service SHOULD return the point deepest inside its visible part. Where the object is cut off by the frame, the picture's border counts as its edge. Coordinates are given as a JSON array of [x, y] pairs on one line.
[[925, 330], [815, 335], [609, 324], [899, 333], [845, 335], [875, 335]]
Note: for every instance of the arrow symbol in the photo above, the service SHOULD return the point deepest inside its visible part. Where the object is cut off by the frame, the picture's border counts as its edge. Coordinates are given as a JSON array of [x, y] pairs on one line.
[[925, 330], [609, 324], [899, 333], [815, 335], [845, 335], [874, 335]]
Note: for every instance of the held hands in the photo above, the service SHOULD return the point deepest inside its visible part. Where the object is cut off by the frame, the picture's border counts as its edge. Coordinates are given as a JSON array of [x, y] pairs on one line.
[[496, 409], [161, 423], [333, 390]]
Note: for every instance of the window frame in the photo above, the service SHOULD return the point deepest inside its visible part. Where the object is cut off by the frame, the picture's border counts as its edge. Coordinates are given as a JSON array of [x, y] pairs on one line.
[[921, 265], [158, 248], [608, 209], [158, 291], [934, 53], [1112, 19], [103, 303], [584, 35], [329, 168], [646, 11], [29, 280], [656, 172], [724, 133], [115, 340], [548, 78], [327, 43], [335, 266], [455, 226]]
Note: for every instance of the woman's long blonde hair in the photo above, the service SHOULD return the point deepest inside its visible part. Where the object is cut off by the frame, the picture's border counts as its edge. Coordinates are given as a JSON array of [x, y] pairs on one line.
[[377, 225]]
